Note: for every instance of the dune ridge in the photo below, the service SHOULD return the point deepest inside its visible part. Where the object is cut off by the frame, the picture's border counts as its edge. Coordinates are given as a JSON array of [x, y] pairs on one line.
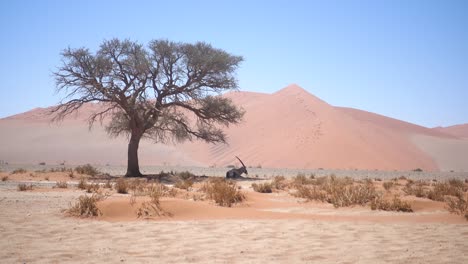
[[290, 128]]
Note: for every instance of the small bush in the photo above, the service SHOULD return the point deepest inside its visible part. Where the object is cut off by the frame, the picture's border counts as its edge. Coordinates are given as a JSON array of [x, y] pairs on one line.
[[82, 184], [352, 195], [394, 205], [185, 175], [418, 170], [442, 189], [5, 178], [24, 187], [388, 185], [311, 193], [92, 187], [301, 179], [86, 206], [185, 184], [458, 205], [262, 187], [416, 189], [108, 185], [279, 183], [19, 171], [121, 186], [223, 192], [42, 163], [153, 207], [87, 169], [61, 184]]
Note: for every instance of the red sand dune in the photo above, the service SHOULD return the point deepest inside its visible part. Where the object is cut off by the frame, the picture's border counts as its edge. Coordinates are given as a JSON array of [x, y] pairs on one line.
[[287, 129], [460, 131]]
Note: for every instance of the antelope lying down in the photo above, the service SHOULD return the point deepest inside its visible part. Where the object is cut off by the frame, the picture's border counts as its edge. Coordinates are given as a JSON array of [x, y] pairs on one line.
[[236, 173]]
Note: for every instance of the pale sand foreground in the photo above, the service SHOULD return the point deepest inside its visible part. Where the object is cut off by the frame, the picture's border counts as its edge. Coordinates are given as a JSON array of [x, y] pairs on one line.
[[35, 231]]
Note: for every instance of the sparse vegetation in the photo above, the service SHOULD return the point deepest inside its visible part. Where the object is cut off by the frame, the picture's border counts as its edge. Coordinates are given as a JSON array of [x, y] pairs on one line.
[[5, 178], [24, 187], [262, 187], [185, 184], [153, 207], [388, 185], [86, 206], [311, 193], [458, 205], [223, 192], [396, 204], [19, 171], [61, 184], [82, 183], [92, 187], [121, 186], [279, 183], [42, 163], [418, 170], [87, 169]]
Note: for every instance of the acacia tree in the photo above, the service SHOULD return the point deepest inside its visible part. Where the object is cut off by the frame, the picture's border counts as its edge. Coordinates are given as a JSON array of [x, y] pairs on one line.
[[165, 91]]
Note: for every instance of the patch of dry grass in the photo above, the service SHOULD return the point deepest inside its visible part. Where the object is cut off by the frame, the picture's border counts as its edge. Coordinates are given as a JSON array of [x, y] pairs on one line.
[[19, 171], [262, 187], [279, 183], [388, 185], [153, 207], [458, 205], [86, 206], [24, 187], [61, 184], [87, 169], [184, 184], [223, 192], [5, 178], [396, 204], [121, 186], [82, 184]]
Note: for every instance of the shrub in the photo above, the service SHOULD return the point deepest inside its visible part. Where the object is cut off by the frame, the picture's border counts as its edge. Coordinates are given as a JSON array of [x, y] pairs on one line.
[[5, 178], [416, 189], [82, 184], [352, 195], [19, 171], [92, 187], [442, 189], [153, 207], [61, 184], [121, 186], [42, 163], [185, 175], [379, 203], [301, 179], [418, 170], [388, 185], [458, 205], [86, 206], [279, 183], [108, 185], [223, 192], [24, 187], [262, 187], [87, 169], [311, 193], [184, 184]]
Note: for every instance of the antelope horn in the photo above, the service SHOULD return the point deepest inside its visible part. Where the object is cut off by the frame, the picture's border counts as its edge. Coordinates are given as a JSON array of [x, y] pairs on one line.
[[240, 161]]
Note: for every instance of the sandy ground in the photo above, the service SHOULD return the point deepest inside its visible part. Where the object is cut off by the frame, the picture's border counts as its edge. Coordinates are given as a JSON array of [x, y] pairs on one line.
[[267, 228]]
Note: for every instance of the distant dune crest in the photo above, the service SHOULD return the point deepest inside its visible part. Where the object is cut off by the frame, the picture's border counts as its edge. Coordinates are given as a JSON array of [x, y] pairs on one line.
[[290, 128]]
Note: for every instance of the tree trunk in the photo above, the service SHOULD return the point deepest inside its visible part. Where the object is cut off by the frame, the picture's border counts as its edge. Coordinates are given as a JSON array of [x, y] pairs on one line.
[[133, 168]]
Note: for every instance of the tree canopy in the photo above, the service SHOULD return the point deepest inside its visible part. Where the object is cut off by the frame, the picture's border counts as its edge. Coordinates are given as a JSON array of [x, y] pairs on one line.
[[165, 91]]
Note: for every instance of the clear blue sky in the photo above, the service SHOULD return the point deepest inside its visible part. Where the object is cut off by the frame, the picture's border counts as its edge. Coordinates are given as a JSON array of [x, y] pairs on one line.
[[404, 59]]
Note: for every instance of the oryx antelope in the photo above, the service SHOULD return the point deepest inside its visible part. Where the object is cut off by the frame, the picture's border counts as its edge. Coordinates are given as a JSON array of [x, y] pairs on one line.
[[236, 173]]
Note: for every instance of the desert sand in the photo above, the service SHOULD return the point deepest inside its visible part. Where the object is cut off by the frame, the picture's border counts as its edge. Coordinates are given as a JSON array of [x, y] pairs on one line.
[[273, 227], [288, 129]]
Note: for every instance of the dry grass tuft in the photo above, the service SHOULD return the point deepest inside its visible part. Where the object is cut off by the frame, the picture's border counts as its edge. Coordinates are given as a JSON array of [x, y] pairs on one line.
[[61, 184], [87, 169], [223, 192], [19, 171], [279, 183], [388, 185], [311, 193], [458, 205], [184, 184], [5, 178], [121, 186], [153, 207], [25, 187], [82, 184], [262, 187], [379, 203], [86, 206], [92, 187]]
